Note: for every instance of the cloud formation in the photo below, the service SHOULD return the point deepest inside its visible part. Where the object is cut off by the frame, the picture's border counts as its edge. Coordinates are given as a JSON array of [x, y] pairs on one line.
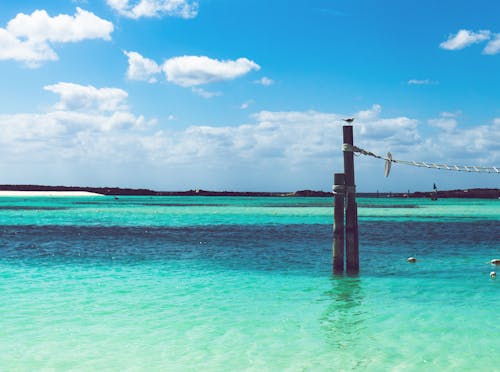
[[189, 71], [95, 128], [77, 97], [141, 68], [464, 38], [246, 104], [493, 47], [82, 112], [205, 93], [447, 121], [155, 8], [29, 38], [40, 27], [265, 81], [422, 82], [29, 52]]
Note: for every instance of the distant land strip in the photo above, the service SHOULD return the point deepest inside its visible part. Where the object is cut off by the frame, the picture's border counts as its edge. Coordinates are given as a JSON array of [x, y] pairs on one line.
[[117, 191]]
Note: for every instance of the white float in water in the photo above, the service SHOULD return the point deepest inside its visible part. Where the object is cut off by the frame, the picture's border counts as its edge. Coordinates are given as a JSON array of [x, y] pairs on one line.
[[493, 275], [495, 261], [411, 259]]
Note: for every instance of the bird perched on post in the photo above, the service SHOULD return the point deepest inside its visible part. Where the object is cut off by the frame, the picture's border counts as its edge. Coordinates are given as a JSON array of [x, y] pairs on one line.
[[348, 120]]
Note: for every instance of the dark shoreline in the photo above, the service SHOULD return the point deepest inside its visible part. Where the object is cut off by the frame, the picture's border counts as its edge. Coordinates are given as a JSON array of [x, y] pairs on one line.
[[478, 193]]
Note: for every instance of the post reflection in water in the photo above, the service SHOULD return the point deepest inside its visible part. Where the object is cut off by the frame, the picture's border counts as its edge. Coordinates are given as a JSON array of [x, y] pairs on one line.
[[344, 317]]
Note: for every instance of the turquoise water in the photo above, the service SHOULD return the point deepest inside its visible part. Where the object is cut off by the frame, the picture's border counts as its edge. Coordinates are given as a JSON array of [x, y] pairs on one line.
[[222, 283]]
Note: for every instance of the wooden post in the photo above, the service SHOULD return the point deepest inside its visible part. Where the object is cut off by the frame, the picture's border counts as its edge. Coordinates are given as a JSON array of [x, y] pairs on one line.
[[351, 213], [338, 225]]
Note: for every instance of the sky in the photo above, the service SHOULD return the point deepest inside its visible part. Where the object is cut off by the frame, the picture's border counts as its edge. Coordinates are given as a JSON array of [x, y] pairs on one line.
[[247, 95]]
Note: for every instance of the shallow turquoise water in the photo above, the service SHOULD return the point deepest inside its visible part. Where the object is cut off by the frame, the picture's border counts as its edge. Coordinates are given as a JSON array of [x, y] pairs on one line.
[[185, 283], [194, 211]]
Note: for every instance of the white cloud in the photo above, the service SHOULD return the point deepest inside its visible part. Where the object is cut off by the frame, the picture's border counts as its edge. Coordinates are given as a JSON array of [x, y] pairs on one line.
[[155, 8], [56, 131], [28, 38], [77, 97], [464, 38], [264, 81], [421, 82], [23, 127], [369, 114], [29, 52], [102, 121], [141, 68], [467, 146], [493, 47], [205, 93], [447, 121], [246, 104], [40, 27], [446, 114], [79, 109], [189, 71], [382, 134], [276, 150]]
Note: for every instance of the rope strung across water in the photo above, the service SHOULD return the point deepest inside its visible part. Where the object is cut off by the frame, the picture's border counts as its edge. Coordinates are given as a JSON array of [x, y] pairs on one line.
[[422, 164]]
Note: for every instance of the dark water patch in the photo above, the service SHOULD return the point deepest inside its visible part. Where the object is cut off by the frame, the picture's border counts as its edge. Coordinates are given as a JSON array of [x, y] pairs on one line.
[[452, 219], [181, 205], [247, 247], [288, 205], [30, 208], [428, 235], [442, 248], [384, 246], [299, 205], [389, 206], [146, 204]]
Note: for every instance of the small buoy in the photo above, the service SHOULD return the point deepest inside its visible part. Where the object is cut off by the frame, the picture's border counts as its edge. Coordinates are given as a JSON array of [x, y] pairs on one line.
[[493, 275], [411, 259], [495, 261]]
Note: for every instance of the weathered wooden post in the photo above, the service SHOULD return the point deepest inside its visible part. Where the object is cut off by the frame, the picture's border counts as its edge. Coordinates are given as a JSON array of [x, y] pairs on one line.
[[338, 223], [351, 213]]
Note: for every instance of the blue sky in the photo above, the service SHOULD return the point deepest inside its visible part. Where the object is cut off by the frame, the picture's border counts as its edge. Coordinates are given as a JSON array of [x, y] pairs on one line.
[[234, 95]]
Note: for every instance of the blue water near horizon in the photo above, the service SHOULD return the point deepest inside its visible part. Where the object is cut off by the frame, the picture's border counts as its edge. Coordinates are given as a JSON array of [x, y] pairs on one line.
[[223, 283]]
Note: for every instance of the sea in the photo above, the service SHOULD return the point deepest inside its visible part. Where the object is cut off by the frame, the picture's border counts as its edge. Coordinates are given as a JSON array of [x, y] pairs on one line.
[[245, 284]]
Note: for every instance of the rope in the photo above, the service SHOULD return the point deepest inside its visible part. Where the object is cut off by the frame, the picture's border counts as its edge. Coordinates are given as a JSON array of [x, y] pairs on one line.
[[457, 168], [343, 189]]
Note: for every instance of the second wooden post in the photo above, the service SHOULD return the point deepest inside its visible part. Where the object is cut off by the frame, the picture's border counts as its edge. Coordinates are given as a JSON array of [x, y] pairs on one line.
[[351, 213]]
